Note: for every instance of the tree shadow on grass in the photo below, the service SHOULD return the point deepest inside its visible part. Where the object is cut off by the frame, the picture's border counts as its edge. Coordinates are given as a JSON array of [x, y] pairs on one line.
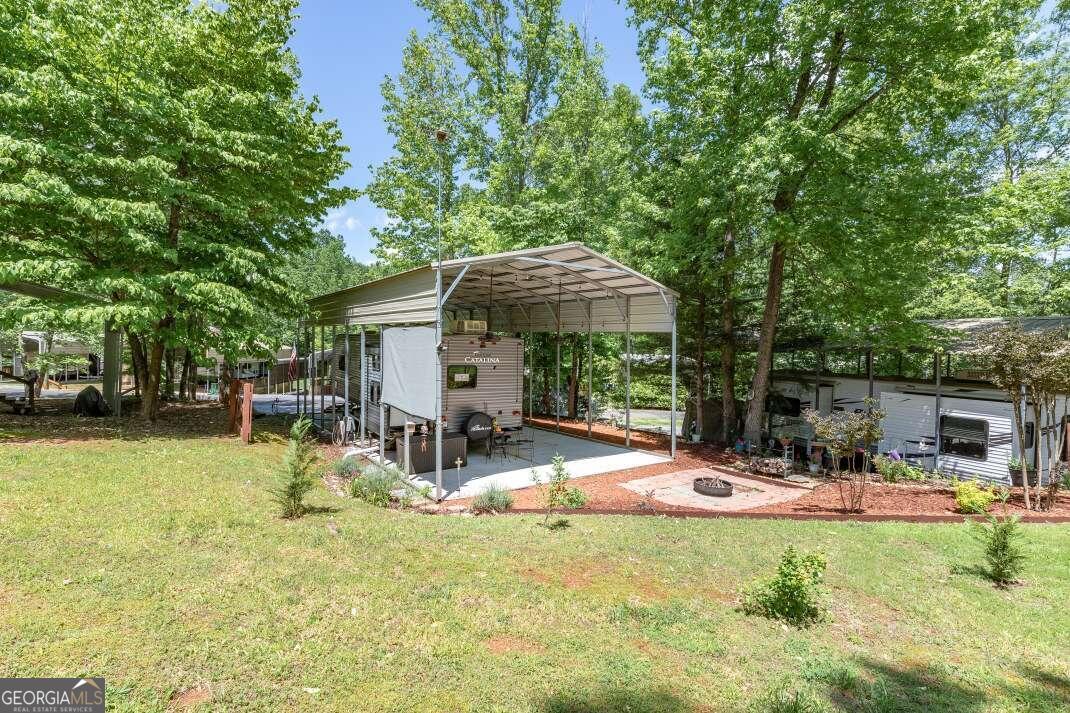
[[320, 510], [616, 700], [54, 422], [927, 688]]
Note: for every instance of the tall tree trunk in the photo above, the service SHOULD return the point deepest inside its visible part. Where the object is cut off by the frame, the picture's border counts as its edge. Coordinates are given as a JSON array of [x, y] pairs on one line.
[[700, 366], [728, 338], [574, 376], [147, 358], [169, 367], [137, 360], [224, 381], [767, 335], [184, 393], [150, 392]]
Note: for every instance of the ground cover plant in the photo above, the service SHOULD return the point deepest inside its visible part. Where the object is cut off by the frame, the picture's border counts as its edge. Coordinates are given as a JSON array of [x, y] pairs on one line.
[[159, 561], [894, 470], [972, 498], [493, 499]]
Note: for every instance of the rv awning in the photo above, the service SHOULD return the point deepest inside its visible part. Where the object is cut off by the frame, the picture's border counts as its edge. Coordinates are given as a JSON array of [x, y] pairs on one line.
[[409, 366], [540, 289]]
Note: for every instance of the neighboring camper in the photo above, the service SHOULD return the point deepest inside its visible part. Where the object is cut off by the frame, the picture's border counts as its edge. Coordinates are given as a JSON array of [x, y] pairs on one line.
[[977, 433]]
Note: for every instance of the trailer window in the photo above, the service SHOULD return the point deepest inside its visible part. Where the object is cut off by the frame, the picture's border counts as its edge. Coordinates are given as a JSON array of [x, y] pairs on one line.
[[461, 377], [964, 437]]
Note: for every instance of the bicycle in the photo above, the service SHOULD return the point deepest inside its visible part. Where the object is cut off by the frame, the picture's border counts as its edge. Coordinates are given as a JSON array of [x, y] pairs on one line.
[[343, 430]]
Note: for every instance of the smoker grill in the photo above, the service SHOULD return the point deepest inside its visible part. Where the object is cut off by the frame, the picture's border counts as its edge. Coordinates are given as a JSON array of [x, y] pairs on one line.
[[479, 428]]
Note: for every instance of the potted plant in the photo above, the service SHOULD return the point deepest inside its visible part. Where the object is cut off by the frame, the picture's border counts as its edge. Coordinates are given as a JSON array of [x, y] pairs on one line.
[[816, 457], [1014, 468]]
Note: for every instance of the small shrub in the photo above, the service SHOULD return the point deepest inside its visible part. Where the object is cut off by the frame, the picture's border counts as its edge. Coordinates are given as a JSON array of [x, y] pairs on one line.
[[793, 595], [493, 499], [375, 485], [556, 493], [347, 467], [973, 498], [297, 466], [1004, 554], [573, 498], [894, 471]]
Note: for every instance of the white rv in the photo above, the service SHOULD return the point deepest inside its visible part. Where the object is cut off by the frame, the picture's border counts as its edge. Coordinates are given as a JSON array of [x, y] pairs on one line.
[[480, 374], [977, 433]]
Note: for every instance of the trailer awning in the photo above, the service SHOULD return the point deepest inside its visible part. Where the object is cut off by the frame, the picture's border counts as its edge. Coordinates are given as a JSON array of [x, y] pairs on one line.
[[566, 286]]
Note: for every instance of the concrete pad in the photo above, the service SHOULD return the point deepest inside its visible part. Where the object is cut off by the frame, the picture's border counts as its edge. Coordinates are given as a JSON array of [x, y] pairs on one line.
[[582, 458], [678, 489]]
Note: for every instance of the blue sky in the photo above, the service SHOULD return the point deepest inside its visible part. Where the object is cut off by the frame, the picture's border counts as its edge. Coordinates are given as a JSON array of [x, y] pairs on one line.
[[346, 48]]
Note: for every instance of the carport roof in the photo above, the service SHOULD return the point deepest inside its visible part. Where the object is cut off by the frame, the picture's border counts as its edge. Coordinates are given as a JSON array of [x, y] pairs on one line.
[[521, 290]]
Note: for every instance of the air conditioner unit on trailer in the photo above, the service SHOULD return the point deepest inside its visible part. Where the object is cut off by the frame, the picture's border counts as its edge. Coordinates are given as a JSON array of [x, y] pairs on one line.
[[470, 326]]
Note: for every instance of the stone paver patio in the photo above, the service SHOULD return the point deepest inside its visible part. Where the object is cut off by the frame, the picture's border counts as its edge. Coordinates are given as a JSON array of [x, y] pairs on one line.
[[678, 489]]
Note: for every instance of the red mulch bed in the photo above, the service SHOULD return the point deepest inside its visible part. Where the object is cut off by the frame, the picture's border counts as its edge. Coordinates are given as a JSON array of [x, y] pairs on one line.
[[899, 501]]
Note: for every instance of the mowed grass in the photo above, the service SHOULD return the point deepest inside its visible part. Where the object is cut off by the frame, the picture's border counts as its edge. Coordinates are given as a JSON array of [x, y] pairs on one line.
[[161, 565]]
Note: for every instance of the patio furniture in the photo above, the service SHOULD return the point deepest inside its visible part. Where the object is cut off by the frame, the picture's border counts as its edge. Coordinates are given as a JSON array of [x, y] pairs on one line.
[[498, 444], [522, 446]]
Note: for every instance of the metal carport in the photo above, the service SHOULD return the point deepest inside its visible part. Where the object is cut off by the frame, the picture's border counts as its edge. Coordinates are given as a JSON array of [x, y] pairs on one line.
[[558, 288]]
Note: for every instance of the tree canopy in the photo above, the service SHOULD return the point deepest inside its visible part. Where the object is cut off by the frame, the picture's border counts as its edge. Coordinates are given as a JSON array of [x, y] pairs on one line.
[[159, 157]]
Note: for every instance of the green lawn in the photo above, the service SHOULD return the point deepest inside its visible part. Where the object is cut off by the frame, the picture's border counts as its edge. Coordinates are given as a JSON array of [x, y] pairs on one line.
[[159, 564]]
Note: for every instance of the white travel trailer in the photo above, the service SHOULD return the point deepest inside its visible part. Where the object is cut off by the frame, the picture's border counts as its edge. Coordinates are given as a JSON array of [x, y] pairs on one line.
[[977, 432], [480, 374]]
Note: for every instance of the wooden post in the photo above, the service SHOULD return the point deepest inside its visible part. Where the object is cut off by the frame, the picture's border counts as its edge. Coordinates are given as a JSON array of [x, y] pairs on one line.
[[247, 412], [232, 407]]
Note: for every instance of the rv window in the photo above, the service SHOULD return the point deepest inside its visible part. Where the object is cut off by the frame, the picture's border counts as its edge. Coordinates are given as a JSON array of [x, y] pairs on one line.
[[964, 437], [461, 377], [1030, 435]]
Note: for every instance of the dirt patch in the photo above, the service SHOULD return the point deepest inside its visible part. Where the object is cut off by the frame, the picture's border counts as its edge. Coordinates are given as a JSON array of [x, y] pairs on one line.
[[512, 645], [537, 576], [201, 693]]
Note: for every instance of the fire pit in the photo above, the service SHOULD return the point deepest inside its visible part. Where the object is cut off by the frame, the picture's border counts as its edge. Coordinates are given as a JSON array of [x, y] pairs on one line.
[[714, 487]]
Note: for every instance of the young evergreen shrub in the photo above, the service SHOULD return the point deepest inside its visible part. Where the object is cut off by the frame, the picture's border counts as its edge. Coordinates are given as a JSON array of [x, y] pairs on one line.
[[1001, 538], [973, 498], [297, 466], [493, 499], [793, 595], [894, 471]]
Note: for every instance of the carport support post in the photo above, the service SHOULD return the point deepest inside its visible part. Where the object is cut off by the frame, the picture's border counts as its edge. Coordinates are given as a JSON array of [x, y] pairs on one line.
[[628, 372], [382, 411], [531, 377], [345, 379], [590, 365], [936, 426], [557, 364], [869, 370], [323, 389], [331, 370], [363, 380], [438, 384], [672, 404]]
